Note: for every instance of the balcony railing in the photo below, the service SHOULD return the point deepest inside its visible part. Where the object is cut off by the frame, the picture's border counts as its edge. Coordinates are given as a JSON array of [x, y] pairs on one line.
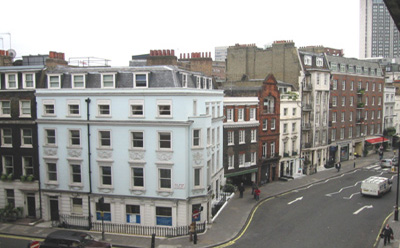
[[361, 91], [360, 105]]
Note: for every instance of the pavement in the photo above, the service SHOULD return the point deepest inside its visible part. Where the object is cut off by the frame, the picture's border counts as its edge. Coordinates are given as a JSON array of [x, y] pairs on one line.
[[229, 222]]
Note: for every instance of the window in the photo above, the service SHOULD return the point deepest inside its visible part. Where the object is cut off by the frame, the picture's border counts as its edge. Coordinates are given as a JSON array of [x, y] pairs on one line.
[[77, 206], [231, 161], [137, 108], [272, 145], [137, 139], [379, 101], [137, 177], [28, 80], [105, 175], [320, 62], [11, 81], [343, 101], [351, 100], [164, 140], [265, 124], [5, 110], [334, 117], [241, 136], [269, 105], [350, 132], [8, 165], [164, 108], [352, 85], [307, 60], [264, 150], [333, 135], [78, 81], [133, 214], [74, 138], [184, 80], [285, 111], [343, 85], [334, 101], [351, 116], [380, 87], [73, 108], [294, 111], [240, 114], [229, 115], [50, 136], [342, 116], [164, 216], [54, 81], [334, 85], [6, 137], [76, 173], [108, 81], [231, 138], [366, 101], [51, 172], [196, 138], [164, 176], [373, 86], [25, 108], [294, 127], [318, 76], [106, 211], [242, 157], [27, 164], [342, 133], [197, 177], [49, 108], [253, 113], [103, 108], [26, 137], [140, 80], [104, 139], [253, 158], [10, 197], [366, 86], [253, 135], [273, 121], [372, 114], [285, 128]]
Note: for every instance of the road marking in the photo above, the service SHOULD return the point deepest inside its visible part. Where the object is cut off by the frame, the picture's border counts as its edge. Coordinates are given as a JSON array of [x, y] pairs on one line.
[[372, 166], [330, 194], [297, 199], [348, 198], [361, 209]]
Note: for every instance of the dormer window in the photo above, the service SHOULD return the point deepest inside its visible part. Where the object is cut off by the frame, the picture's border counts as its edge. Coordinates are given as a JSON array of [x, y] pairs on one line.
[[54, 81], [184, 80], [307, 60], [78, 81], [11, 81], [210, 86], [320, 62], [28, 80], [108, 80], [140, 80], [198, 82]]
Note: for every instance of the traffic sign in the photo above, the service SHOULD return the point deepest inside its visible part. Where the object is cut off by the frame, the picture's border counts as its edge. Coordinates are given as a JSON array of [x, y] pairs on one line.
[[196, 214], [35, 244]]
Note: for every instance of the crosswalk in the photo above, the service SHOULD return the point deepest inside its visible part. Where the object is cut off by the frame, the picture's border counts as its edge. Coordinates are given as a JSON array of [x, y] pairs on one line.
[[376, 167]]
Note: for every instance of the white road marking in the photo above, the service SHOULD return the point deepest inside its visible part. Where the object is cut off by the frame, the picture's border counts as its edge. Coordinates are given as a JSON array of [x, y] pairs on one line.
[[361, 209], [348, 198], [297, 199]]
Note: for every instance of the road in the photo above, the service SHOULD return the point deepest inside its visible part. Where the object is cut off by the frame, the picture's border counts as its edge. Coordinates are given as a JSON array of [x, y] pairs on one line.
[[326, 214], [10, 241]]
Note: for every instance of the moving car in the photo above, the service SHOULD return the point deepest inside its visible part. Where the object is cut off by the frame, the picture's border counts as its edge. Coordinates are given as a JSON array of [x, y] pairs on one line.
[[71, 239], [376, 186], [388, 162]]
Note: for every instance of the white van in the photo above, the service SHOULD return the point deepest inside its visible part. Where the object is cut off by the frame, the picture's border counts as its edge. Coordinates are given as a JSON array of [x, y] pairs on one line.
[[376, 186]]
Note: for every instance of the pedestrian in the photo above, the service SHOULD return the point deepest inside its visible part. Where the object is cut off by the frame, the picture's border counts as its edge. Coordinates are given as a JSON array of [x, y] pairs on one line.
[[241, 189], [338, 165], [257, 192], [253, 187], [387, 234], [354, 165]]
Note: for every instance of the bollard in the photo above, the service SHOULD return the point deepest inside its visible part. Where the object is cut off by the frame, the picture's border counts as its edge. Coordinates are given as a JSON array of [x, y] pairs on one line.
[[195, 238], [153, 240]]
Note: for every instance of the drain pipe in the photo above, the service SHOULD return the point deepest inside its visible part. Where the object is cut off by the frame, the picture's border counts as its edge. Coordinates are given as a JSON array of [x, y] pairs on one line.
[[89, 163]]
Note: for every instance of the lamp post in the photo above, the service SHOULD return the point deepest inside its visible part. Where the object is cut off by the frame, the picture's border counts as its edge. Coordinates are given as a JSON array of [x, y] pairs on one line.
[[396, 208]]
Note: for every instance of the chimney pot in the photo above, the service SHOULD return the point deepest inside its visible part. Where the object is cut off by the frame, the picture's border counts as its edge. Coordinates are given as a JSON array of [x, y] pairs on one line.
[[173, 52]]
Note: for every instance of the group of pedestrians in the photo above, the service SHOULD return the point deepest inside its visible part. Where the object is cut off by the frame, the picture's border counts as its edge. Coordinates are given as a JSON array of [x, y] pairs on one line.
[[255, 191]]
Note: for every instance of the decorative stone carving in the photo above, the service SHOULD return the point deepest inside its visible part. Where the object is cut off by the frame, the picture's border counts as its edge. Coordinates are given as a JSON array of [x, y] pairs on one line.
[[198, 158], [104, 154], [164, 156], [50, 152], [74, 153], [136, 155]]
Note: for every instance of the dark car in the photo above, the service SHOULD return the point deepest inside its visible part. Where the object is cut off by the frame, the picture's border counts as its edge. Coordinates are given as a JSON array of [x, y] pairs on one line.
[[71, 239]]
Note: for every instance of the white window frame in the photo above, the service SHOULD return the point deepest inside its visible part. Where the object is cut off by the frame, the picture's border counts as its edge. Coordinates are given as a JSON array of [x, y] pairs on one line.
[[253, 134], [3, 108], [23, 109], [240, 114], [70, 138], [101, 138], [27, 166], [231, 161], [8, 81], [184, 78], [7, 168], [25, 136], [133, 186], [74, 81], [231, 138], [334, 101], [164, 178], [48, 172], [6, 137], [242, 135], [133, 103], [307, 60], [320, 62], [334, 117], [101, 175], [76, 208], [161, 103], [73, 103], [265, 125], [49, 103], [253, 158], [57, 83], [159, 133], [46, 138], [25, 81], [273, 124], [253, 112], [99, 109], [197, 176], [242, 159], [72, 173], [196, 138], [229, 114], [140, 74], [133, 140], [103, 81]]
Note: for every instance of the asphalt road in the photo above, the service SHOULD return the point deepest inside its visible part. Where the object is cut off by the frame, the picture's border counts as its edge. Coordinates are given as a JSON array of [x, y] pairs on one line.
[[328, 214]]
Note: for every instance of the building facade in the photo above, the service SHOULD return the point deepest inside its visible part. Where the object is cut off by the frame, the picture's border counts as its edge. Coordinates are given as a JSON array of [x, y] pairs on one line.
[[147, 140], [379, 36]]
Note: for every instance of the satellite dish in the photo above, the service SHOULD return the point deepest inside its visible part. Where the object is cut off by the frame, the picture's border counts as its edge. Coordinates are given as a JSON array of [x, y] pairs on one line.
[[12, 53]]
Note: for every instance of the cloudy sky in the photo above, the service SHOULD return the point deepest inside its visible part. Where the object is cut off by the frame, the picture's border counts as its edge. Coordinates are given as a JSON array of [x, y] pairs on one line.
[[118, 29]]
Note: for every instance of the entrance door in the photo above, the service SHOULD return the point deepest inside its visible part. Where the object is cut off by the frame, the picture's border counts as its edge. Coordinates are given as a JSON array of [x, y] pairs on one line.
[[31, 204], [54, 215]]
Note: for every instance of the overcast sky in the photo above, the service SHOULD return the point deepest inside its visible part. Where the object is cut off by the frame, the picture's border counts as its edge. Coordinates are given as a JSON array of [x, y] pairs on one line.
[[118, 29]]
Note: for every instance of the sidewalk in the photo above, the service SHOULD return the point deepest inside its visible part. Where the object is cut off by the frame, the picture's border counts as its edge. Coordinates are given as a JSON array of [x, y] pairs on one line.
[[229, 222]]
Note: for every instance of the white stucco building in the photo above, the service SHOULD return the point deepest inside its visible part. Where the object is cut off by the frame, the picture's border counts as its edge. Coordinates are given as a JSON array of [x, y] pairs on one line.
[[146, 139]]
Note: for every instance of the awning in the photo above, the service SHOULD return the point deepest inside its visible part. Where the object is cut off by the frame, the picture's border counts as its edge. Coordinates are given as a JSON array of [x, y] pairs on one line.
[[238, 173], [376, 140]]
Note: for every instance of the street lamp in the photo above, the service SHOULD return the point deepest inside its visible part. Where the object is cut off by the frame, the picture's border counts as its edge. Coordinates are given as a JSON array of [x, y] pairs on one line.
[[396, 208]]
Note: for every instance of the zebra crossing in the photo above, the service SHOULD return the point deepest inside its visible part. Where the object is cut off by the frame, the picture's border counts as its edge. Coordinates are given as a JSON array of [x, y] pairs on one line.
[[376, 167]]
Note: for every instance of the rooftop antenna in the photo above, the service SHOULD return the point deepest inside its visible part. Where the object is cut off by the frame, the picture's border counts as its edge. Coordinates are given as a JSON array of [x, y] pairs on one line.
[[9, 34]]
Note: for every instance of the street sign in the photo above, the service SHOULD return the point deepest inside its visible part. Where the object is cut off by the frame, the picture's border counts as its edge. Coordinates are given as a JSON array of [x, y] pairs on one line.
[[196, 214], [35, 244]]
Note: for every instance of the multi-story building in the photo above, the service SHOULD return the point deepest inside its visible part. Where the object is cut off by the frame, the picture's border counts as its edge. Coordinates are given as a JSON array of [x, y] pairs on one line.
[[355, 106], [379, 36], [314, 81], [267, 114], [18, 132], [240, 136], [290, 130], [221, 53], [147, 140]]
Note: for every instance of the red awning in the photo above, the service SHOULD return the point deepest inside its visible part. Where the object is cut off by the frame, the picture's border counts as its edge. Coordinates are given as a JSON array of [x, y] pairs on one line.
[[376, 140]]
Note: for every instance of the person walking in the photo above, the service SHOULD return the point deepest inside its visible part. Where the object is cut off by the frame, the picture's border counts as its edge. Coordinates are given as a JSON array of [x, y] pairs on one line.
[[257, 192], [241, 189], [253, 187], [387, 234], [338, 165]]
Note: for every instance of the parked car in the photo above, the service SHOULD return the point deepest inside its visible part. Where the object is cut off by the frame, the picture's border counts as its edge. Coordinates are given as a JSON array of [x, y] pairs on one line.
[[376, 186], [388, 162], [71, 239]]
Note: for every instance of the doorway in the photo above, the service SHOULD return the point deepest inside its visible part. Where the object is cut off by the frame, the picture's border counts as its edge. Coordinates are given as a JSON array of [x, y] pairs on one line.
[[54, 214], [31, 205]]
